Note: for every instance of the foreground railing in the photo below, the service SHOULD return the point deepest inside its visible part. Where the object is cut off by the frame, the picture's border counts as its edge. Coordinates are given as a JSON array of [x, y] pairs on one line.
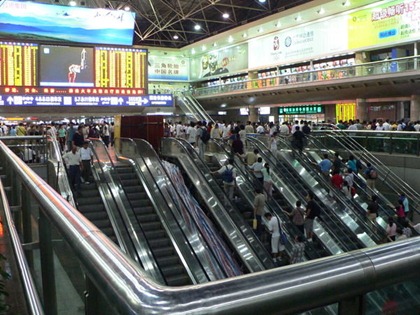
[[111, 276]]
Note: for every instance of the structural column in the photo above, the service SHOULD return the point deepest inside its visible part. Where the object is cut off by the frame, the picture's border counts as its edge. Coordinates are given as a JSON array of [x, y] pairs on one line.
[[415, 108], [253, 114], [362, 107]]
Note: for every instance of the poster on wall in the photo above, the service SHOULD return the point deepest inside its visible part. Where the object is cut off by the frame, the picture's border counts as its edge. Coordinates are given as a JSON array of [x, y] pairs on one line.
[[168, 68], [394, 21], [220, 62], [300, 43]]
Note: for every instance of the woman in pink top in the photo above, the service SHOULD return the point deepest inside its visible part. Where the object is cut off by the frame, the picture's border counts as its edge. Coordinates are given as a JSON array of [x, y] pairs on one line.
[[391, 229]]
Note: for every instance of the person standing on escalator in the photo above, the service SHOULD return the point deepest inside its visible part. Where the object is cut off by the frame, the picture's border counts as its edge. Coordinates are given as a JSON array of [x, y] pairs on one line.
[[312, 211], [86, 155]]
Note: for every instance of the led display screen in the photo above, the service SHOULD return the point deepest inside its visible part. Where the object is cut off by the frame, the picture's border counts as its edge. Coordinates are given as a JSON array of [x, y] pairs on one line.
[[66, 66], [28, 20], [18, 64], [121, 67]]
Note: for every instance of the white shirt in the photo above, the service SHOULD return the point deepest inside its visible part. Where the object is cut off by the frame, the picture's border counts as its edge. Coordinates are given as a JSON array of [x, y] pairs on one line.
[[86, 154], [72, 158], [273, 226], [191, 132]]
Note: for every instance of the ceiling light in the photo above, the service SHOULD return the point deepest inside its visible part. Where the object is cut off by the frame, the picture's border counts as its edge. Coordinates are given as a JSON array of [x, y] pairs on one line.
[[225, 15], [197, 27], [176, 37], [126, 8], [193, 51], [230, 39], [262, 1], [72, 3], [203, 48], [321, 11]]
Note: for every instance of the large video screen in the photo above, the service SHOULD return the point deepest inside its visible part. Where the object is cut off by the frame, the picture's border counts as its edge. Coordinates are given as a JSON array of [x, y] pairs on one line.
[[18, 64], [66, 66], [32, 21], [120, 67]]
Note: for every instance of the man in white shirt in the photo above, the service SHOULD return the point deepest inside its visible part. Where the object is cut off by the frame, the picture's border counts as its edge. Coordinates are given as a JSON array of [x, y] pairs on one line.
[[74, 164], [386, 125], [86, 155], [274, 228]]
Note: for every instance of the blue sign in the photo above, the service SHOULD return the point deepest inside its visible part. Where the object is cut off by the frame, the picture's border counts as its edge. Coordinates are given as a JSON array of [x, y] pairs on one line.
[[154, 100]]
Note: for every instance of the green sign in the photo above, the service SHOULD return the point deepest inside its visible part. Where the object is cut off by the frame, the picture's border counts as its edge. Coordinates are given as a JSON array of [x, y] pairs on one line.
[[301, 110]]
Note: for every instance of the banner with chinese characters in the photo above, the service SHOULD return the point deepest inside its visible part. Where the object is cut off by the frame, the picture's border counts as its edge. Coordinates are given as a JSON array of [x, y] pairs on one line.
[[300, 43], [301, 110], [158, 100], [168, 68], [390, 22]]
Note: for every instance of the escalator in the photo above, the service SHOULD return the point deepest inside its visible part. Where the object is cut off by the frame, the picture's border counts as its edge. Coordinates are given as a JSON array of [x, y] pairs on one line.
[[225, 214], [183, 245], [276, 205], [294, 175], [355, 142], [158, 239]]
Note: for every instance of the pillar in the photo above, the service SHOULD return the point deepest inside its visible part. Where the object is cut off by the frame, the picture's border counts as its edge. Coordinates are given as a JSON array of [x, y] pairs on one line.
[[415, 108], [362, 112], [253, 114]]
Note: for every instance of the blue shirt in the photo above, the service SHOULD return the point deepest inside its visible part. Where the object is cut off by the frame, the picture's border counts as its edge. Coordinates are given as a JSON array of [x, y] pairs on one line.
[[325, 165]]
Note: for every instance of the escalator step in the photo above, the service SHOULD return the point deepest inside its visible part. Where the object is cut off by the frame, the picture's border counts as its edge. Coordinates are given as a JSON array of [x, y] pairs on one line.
[[93, 216], [155, 234], [91, 208], [164, 252], [134, 189], [144, 218], [173, 270], [151, 226], [179, 280], [130, 182], [158, 243], [144, 210], [102, 224], [168, 261], [88, 193], [139, 203], [124, 169], [93, 200]]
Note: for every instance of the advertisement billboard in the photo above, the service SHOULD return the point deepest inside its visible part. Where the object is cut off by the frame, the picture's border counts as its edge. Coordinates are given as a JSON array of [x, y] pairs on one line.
[[173, 68]]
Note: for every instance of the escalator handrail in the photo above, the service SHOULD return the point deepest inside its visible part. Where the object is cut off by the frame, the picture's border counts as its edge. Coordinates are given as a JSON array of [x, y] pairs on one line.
[[133, 292], [191, 262], [231, 221]]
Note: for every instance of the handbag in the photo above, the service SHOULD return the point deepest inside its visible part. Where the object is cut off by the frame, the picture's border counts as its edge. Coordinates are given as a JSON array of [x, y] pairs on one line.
[[254, 224], [283, 236]]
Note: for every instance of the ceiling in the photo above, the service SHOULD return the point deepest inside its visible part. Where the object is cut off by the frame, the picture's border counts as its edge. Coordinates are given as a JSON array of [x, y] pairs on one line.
[[170, 23]]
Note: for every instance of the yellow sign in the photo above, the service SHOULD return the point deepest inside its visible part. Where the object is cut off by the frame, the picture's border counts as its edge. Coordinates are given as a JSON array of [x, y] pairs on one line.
[[386, 23], [345, 112]]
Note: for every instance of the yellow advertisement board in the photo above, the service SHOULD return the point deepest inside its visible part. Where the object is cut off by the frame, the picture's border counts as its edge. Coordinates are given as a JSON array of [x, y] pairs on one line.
[[345, 112], [393, 21]]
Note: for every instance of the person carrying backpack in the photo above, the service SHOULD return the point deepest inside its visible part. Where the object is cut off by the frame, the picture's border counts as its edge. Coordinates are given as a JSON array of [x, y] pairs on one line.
[[371, 174], [228, 173], [202, 137]]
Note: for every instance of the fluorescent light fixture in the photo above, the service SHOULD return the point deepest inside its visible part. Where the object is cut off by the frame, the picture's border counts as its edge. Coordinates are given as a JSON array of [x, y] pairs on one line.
[[223, 105], [222, 113]]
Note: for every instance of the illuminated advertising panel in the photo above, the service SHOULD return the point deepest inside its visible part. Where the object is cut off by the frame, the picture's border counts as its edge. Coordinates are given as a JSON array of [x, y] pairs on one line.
[[120, 67], [395, 21], [220, 62], [299, 43], [168, 68], [18, 64], [27, 20]]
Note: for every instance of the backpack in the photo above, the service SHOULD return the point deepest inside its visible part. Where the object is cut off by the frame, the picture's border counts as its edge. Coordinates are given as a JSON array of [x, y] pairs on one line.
[[373, 174], [205, 135], [227, 175]]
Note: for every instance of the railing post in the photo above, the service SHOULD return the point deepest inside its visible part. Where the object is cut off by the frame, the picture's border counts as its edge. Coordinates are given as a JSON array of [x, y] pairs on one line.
[[354, 305], [27, 225], [47, 265]]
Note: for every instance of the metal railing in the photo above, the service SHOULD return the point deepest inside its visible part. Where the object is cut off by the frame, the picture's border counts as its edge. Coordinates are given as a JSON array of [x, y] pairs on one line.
[[400, 65], [343, 278]]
